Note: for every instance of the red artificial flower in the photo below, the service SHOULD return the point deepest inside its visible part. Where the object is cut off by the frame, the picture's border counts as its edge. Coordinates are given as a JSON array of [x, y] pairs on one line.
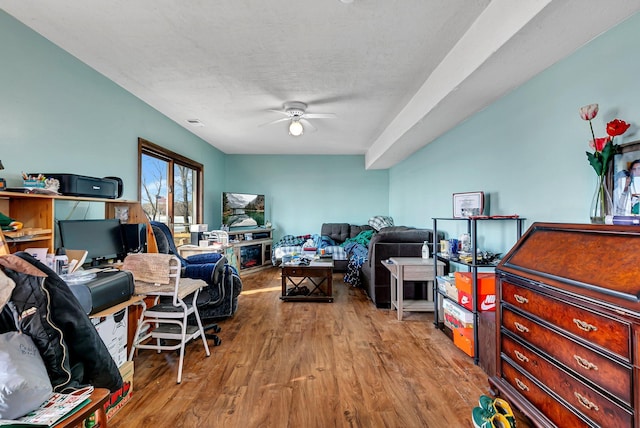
[[617, 127], [603, 148], [599, 143]]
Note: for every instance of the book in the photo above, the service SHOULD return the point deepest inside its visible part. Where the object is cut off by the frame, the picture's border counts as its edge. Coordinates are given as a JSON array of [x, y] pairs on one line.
[[58, 407]]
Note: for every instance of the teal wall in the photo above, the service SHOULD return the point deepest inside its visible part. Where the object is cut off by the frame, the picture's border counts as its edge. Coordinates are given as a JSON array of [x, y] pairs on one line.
[[527, 150], [59, 115], [302, 192]]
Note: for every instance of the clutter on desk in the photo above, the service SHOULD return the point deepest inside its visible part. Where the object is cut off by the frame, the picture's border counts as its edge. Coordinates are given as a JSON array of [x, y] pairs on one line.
[[40, 181], [37, 184]]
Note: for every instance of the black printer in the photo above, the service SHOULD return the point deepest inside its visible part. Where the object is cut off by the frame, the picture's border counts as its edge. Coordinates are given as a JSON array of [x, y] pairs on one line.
[[108, 288], [80, 185]]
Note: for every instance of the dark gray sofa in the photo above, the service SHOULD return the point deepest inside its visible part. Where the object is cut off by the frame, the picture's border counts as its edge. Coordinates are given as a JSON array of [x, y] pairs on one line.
[[340, 232], [394, 241]]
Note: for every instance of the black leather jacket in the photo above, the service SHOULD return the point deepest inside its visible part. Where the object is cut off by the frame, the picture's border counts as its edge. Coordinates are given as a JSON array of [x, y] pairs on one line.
[[46, 310]]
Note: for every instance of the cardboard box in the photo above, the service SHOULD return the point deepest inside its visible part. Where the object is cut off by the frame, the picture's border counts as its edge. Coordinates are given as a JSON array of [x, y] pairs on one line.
[[113, 332], [451, 289], [447, 285], [463, 339], [119, 398], [486, 283], [455, 316]]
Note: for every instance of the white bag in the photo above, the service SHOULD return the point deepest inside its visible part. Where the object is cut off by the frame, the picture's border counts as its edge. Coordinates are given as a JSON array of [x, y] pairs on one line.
[[24, 382]]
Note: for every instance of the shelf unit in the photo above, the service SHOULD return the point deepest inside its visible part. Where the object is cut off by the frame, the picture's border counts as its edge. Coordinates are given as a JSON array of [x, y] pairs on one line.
[[254, 253], [473, 267], [37, 212]]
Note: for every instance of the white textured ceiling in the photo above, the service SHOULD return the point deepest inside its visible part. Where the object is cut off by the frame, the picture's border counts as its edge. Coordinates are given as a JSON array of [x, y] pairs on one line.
[[397, 73]]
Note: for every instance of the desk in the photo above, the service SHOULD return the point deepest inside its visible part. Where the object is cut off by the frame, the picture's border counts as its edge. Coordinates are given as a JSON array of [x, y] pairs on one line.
[[411, 269], [98, 398]]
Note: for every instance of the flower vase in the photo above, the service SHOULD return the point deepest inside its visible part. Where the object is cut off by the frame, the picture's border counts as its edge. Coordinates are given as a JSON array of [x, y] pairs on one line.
[[602, 204]]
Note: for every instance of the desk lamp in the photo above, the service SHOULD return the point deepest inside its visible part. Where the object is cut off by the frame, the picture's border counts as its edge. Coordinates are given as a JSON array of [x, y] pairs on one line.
[[3, 184]]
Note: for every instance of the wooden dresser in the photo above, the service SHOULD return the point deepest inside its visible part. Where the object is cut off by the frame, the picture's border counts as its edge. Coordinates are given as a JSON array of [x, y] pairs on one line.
[[568, 325]]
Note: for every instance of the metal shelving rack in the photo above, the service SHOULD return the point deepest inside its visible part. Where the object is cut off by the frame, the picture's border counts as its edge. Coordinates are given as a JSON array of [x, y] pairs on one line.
[[472, 230]]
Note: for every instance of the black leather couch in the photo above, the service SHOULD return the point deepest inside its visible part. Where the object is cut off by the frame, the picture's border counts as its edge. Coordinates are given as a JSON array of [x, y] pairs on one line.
[[394, 241]]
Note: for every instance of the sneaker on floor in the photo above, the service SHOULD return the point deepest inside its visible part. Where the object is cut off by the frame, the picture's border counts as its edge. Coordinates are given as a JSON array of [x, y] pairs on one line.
[[498, 405], [484, 419], [479, 416], [486, 403]]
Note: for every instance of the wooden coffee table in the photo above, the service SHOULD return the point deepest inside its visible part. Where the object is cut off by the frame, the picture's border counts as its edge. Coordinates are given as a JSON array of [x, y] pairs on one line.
[[316, 274]]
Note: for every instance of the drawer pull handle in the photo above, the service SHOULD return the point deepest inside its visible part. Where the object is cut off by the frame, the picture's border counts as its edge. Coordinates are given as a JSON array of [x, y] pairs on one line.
[[521, 356], [520, 299], [584, 363], [586, 403], [521, 328], [584, 325], [521, 385]]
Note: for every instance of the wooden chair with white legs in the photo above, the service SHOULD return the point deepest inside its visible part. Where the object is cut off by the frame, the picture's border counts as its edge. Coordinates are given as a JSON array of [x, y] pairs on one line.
[[163, 326]]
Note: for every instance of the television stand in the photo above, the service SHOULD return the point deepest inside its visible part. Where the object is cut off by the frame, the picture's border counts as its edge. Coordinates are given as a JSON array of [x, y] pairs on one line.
[[252, 247]]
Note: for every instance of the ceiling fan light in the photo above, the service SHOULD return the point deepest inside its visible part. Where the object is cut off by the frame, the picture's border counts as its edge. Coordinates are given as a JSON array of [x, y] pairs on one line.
[[295, 128]]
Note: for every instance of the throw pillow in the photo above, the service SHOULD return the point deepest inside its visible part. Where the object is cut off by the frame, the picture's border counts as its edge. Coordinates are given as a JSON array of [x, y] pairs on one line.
[[23, 376], [378, 222]]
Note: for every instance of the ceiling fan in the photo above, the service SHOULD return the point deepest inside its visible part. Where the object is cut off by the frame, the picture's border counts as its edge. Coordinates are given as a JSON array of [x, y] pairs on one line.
[[295, 112]]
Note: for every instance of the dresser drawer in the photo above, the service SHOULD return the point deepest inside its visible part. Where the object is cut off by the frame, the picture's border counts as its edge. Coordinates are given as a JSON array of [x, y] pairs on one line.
[[552, 409], [609, 333], [586, 400], [608, 374]]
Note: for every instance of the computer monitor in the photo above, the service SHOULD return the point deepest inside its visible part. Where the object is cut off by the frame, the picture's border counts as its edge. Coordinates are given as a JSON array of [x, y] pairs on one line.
[[102, 239]]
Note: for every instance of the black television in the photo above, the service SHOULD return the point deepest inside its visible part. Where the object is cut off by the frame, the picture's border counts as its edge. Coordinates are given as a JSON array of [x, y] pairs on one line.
[[102, 239], [242, 209]]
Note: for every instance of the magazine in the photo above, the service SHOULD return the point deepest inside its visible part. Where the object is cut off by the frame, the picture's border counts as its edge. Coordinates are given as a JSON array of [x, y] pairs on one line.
[[56, 408]]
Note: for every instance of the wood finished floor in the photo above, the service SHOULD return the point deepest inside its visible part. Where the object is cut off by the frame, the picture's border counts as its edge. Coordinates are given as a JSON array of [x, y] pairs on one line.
[[305, 364]]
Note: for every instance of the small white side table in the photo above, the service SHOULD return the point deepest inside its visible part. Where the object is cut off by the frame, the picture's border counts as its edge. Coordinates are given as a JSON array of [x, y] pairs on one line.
[[411, 269]]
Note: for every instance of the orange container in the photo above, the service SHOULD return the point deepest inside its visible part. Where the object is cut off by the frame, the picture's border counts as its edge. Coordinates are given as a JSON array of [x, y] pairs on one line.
[[463, 339], [486, 282]]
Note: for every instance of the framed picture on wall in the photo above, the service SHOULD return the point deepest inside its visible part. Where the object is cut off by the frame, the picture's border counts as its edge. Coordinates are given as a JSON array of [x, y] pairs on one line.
[[623, 178], [468, 204]]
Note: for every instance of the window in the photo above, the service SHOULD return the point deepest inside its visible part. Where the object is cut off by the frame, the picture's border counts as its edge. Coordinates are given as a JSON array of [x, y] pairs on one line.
[[170, 188]]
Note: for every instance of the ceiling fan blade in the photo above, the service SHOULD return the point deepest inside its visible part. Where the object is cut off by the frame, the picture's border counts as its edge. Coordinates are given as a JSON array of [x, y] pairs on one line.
[[279, 111], [308, 125], [274, 121], [320, 115], [331, 99]]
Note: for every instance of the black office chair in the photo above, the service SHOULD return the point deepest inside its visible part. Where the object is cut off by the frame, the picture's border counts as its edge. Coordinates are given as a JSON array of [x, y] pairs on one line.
[[219, 298]]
